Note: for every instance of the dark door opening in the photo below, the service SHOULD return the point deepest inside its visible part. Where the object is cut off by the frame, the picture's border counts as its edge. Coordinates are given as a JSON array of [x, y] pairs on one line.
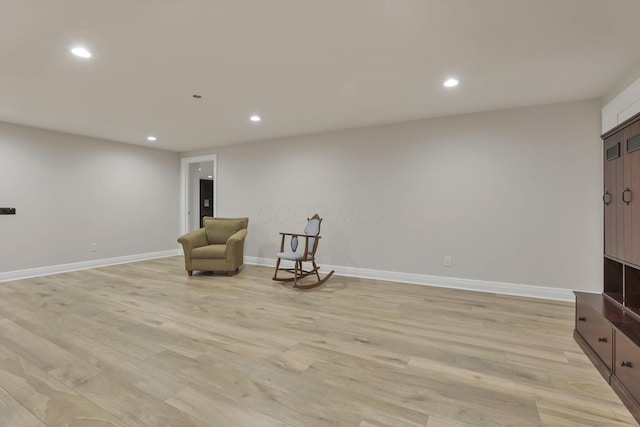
[[206, 199]]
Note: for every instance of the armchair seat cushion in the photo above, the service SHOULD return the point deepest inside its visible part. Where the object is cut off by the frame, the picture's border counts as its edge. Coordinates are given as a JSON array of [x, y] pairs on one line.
[[209, 251]]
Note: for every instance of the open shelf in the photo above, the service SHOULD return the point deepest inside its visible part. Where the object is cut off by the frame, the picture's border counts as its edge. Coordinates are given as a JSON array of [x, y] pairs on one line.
[[632, 288], [619, 298], [614, 280]]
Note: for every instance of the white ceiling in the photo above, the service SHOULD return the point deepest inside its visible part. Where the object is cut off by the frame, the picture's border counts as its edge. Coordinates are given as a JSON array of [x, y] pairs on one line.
[[304, 65]]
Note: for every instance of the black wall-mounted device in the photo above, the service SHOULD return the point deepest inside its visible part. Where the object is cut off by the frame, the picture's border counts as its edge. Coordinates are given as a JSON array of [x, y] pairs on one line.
[[7, 211]]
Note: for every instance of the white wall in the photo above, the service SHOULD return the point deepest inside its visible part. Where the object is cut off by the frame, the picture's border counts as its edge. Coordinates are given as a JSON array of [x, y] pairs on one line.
[[513, 196], [623, 106], [71, 191]]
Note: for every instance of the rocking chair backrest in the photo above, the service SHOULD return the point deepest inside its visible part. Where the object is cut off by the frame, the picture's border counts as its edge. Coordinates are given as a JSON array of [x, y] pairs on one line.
[[312, 229]]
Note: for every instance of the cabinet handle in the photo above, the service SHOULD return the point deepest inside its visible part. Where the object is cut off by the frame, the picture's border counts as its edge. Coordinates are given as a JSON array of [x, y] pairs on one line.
[[626, 364], [606, 198], [602, 339], [582, 319], [624, 198]]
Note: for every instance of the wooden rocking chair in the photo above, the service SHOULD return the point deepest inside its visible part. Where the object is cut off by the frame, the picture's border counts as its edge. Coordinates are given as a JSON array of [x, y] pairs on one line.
[[311, 237]]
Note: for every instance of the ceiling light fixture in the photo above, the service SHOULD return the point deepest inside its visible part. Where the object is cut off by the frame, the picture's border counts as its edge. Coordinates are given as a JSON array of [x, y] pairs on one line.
[[255, 118], [451, 82], [151, 138], [81, 52]]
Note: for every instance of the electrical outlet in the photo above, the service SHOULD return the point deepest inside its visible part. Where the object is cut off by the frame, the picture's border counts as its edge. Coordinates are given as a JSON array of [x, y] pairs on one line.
[[94, 247], [448, 261]]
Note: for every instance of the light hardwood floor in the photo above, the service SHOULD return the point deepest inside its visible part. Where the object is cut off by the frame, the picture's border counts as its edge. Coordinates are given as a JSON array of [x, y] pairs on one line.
[[142, 344]]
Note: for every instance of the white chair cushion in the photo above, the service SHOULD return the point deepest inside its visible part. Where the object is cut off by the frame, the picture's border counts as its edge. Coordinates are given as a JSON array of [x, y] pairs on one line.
[[292, 256]]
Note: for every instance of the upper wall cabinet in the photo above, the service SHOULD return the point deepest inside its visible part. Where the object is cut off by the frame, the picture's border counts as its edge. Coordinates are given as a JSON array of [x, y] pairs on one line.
[[631, 193], [622, 192]]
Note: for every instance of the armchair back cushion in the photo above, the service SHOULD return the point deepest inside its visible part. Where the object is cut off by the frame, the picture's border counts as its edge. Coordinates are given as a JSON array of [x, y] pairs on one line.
[[218, 230]]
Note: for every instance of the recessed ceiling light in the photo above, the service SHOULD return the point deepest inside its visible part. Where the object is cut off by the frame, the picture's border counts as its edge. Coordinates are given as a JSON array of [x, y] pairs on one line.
[[451, 82], [81, 52], [255, 118], [210, 176], [151, 138]]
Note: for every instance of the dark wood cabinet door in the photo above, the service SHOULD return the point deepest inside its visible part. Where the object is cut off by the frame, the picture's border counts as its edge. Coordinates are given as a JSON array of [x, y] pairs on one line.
[[627, 365], [596, 332], [630, 197], [613, 188]]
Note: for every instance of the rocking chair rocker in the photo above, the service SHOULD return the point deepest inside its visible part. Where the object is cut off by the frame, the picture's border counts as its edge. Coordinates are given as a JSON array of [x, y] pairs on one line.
[[311, 238]]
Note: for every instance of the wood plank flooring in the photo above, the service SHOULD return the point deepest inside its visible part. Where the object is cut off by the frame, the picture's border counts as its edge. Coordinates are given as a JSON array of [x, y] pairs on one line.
[[142, 344]]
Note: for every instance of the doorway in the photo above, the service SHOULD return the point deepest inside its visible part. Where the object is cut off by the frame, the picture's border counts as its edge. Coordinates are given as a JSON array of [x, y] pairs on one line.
[[198, 191], [206, 199]]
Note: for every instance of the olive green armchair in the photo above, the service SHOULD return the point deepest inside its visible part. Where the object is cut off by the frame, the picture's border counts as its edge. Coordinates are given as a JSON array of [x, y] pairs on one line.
[[218, 246]]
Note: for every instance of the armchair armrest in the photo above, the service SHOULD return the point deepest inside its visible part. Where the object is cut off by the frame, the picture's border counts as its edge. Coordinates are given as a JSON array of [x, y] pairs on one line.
[[236, 238], [306, 239], [234, 253], [192, 240]]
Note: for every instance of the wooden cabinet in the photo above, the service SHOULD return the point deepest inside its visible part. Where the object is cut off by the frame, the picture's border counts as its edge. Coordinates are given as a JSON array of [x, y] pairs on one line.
[[622, 192], [621, 200], [610, 336], [608, 325]]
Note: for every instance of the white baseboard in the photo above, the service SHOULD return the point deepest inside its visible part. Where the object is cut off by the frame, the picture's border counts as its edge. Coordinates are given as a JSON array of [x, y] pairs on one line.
[[64, 268], [391, 276], [541, 292]]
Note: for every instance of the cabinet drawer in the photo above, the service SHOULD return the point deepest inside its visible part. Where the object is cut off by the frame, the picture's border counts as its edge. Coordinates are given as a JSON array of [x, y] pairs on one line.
[[596, 332], [627, 367]]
